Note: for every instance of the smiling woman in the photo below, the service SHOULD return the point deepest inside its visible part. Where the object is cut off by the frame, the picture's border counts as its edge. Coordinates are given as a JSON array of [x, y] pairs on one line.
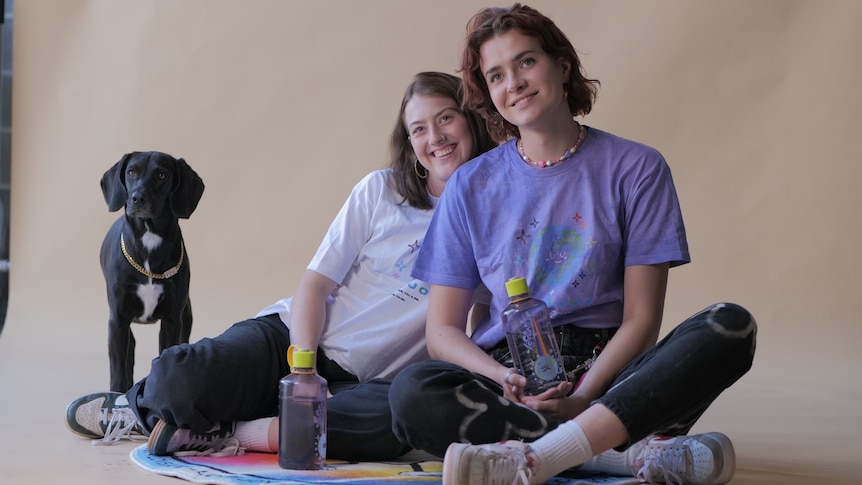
[[437, 127], [607, 203]]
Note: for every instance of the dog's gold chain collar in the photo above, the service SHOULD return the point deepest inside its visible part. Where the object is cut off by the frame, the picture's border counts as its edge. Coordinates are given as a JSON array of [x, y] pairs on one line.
[[163, 276]]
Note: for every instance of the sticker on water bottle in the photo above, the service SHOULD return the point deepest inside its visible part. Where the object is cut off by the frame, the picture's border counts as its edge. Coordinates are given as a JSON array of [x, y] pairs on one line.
[[546, 367], [321, 446]]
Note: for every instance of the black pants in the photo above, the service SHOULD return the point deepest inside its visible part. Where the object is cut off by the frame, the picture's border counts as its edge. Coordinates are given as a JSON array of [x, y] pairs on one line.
[[662, 391], [235, 376]]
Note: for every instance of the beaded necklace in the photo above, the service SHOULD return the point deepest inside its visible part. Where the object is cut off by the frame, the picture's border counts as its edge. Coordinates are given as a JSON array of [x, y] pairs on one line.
[[582, 134]]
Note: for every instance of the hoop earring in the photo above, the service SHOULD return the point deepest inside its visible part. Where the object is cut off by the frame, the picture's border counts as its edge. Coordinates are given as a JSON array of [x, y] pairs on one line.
[[416, 169]]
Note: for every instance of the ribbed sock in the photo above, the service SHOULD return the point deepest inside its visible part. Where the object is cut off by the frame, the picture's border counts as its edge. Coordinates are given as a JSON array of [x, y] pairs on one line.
[[611, 461], [616, 462], [254, 435], [564, 447]]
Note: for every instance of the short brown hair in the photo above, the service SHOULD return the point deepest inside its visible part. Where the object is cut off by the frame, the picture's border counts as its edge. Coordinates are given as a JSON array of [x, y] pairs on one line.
[[490, 22]]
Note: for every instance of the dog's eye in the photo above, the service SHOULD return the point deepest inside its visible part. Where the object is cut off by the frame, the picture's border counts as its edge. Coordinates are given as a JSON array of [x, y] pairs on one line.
[[133, 173], [163, 175]]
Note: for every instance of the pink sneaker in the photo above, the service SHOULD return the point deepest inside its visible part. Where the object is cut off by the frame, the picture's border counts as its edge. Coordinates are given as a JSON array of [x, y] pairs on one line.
[[505, 463], [701, 459]]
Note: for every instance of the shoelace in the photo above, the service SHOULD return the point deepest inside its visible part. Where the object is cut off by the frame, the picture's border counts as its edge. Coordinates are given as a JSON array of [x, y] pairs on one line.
[[665, 467], [121, 425], [523, 476], [502, 466], [203, 445]]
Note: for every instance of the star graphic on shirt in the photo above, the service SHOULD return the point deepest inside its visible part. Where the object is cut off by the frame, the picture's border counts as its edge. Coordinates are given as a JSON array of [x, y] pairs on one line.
[[591, 242], [577, 217], [400, 265], [519, 261], [534, 223], [414, 246], [523, 237]]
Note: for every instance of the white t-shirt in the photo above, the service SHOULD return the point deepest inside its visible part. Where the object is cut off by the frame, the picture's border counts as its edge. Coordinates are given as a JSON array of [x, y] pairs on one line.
[[375, 319]]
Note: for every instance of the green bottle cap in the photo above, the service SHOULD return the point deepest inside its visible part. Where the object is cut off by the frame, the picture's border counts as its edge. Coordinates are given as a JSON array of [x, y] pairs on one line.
[[300, 358], [516, 286]]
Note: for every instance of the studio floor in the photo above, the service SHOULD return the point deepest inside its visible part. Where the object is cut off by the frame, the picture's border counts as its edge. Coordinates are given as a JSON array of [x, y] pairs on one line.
[[39, 377]]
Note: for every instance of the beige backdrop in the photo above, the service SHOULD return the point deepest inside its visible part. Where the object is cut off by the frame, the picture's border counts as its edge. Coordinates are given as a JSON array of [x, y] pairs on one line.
[[281, 106]]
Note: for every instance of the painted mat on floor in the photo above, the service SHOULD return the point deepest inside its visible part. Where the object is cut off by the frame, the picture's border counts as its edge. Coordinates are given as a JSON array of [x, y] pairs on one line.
[[262, 468]]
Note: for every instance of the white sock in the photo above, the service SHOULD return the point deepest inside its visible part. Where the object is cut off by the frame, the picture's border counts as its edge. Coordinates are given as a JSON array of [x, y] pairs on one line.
[[254, 435], [616, 462], [611, 461], [559, 450]]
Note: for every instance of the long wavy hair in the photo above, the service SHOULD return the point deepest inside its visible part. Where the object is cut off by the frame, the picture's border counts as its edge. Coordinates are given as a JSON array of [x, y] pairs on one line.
[[406, 181], [491, 22]]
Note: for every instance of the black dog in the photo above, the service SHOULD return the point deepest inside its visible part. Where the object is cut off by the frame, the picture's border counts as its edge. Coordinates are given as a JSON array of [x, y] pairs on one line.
[[143, 257]]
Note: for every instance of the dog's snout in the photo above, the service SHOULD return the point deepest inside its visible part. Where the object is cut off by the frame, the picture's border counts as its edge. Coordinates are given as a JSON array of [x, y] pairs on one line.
[[142, 204]]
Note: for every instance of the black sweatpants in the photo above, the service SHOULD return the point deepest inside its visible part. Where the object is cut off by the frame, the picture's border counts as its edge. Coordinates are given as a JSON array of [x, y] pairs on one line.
[[235, 377]]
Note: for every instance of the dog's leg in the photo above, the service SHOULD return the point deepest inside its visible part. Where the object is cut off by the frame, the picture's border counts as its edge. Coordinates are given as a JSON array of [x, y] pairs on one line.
[[129, 377], [169, 333], [121, 354], [187, 322]]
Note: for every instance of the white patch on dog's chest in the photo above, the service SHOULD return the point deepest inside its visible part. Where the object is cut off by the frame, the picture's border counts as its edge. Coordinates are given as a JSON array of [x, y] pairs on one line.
[[149, 294], [151, 240]]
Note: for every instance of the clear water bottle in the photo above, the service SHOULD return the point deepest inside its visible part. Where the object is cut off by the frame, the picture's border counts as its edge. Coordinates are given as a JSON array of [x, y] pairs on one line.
[[302, 413], [534, 349]]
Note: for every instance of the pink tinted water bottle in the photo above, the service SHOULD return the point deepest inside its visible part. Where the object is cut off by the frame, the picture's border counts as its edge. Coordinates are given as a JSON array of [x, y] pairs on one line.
[[302, 413], [534, 349]]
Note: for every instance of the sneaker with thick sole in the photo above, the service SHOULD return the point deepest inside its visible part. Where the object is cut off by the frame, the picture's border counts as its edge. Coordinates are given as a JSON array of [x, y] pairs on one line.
[[701, 459], [168, 439], [105, 416], [504, 463]]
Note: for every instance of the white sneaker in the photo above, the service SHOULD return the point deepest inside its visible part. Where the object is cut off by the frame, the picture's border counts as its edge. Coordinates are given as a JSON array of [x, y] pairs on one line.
[[504, 463], [701, 459], [106, 416]]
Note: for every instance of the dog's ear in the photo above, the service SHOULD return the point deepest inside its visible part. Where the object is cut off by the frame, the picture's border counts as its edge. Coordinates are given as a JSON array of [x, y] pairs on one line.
[[187, 192], [114, 184]]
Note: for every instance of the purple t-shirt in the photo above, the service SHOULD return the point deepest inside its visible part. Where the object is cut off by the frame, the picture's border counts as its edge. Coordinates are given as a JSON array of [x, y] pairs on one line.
[[569, 230]]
